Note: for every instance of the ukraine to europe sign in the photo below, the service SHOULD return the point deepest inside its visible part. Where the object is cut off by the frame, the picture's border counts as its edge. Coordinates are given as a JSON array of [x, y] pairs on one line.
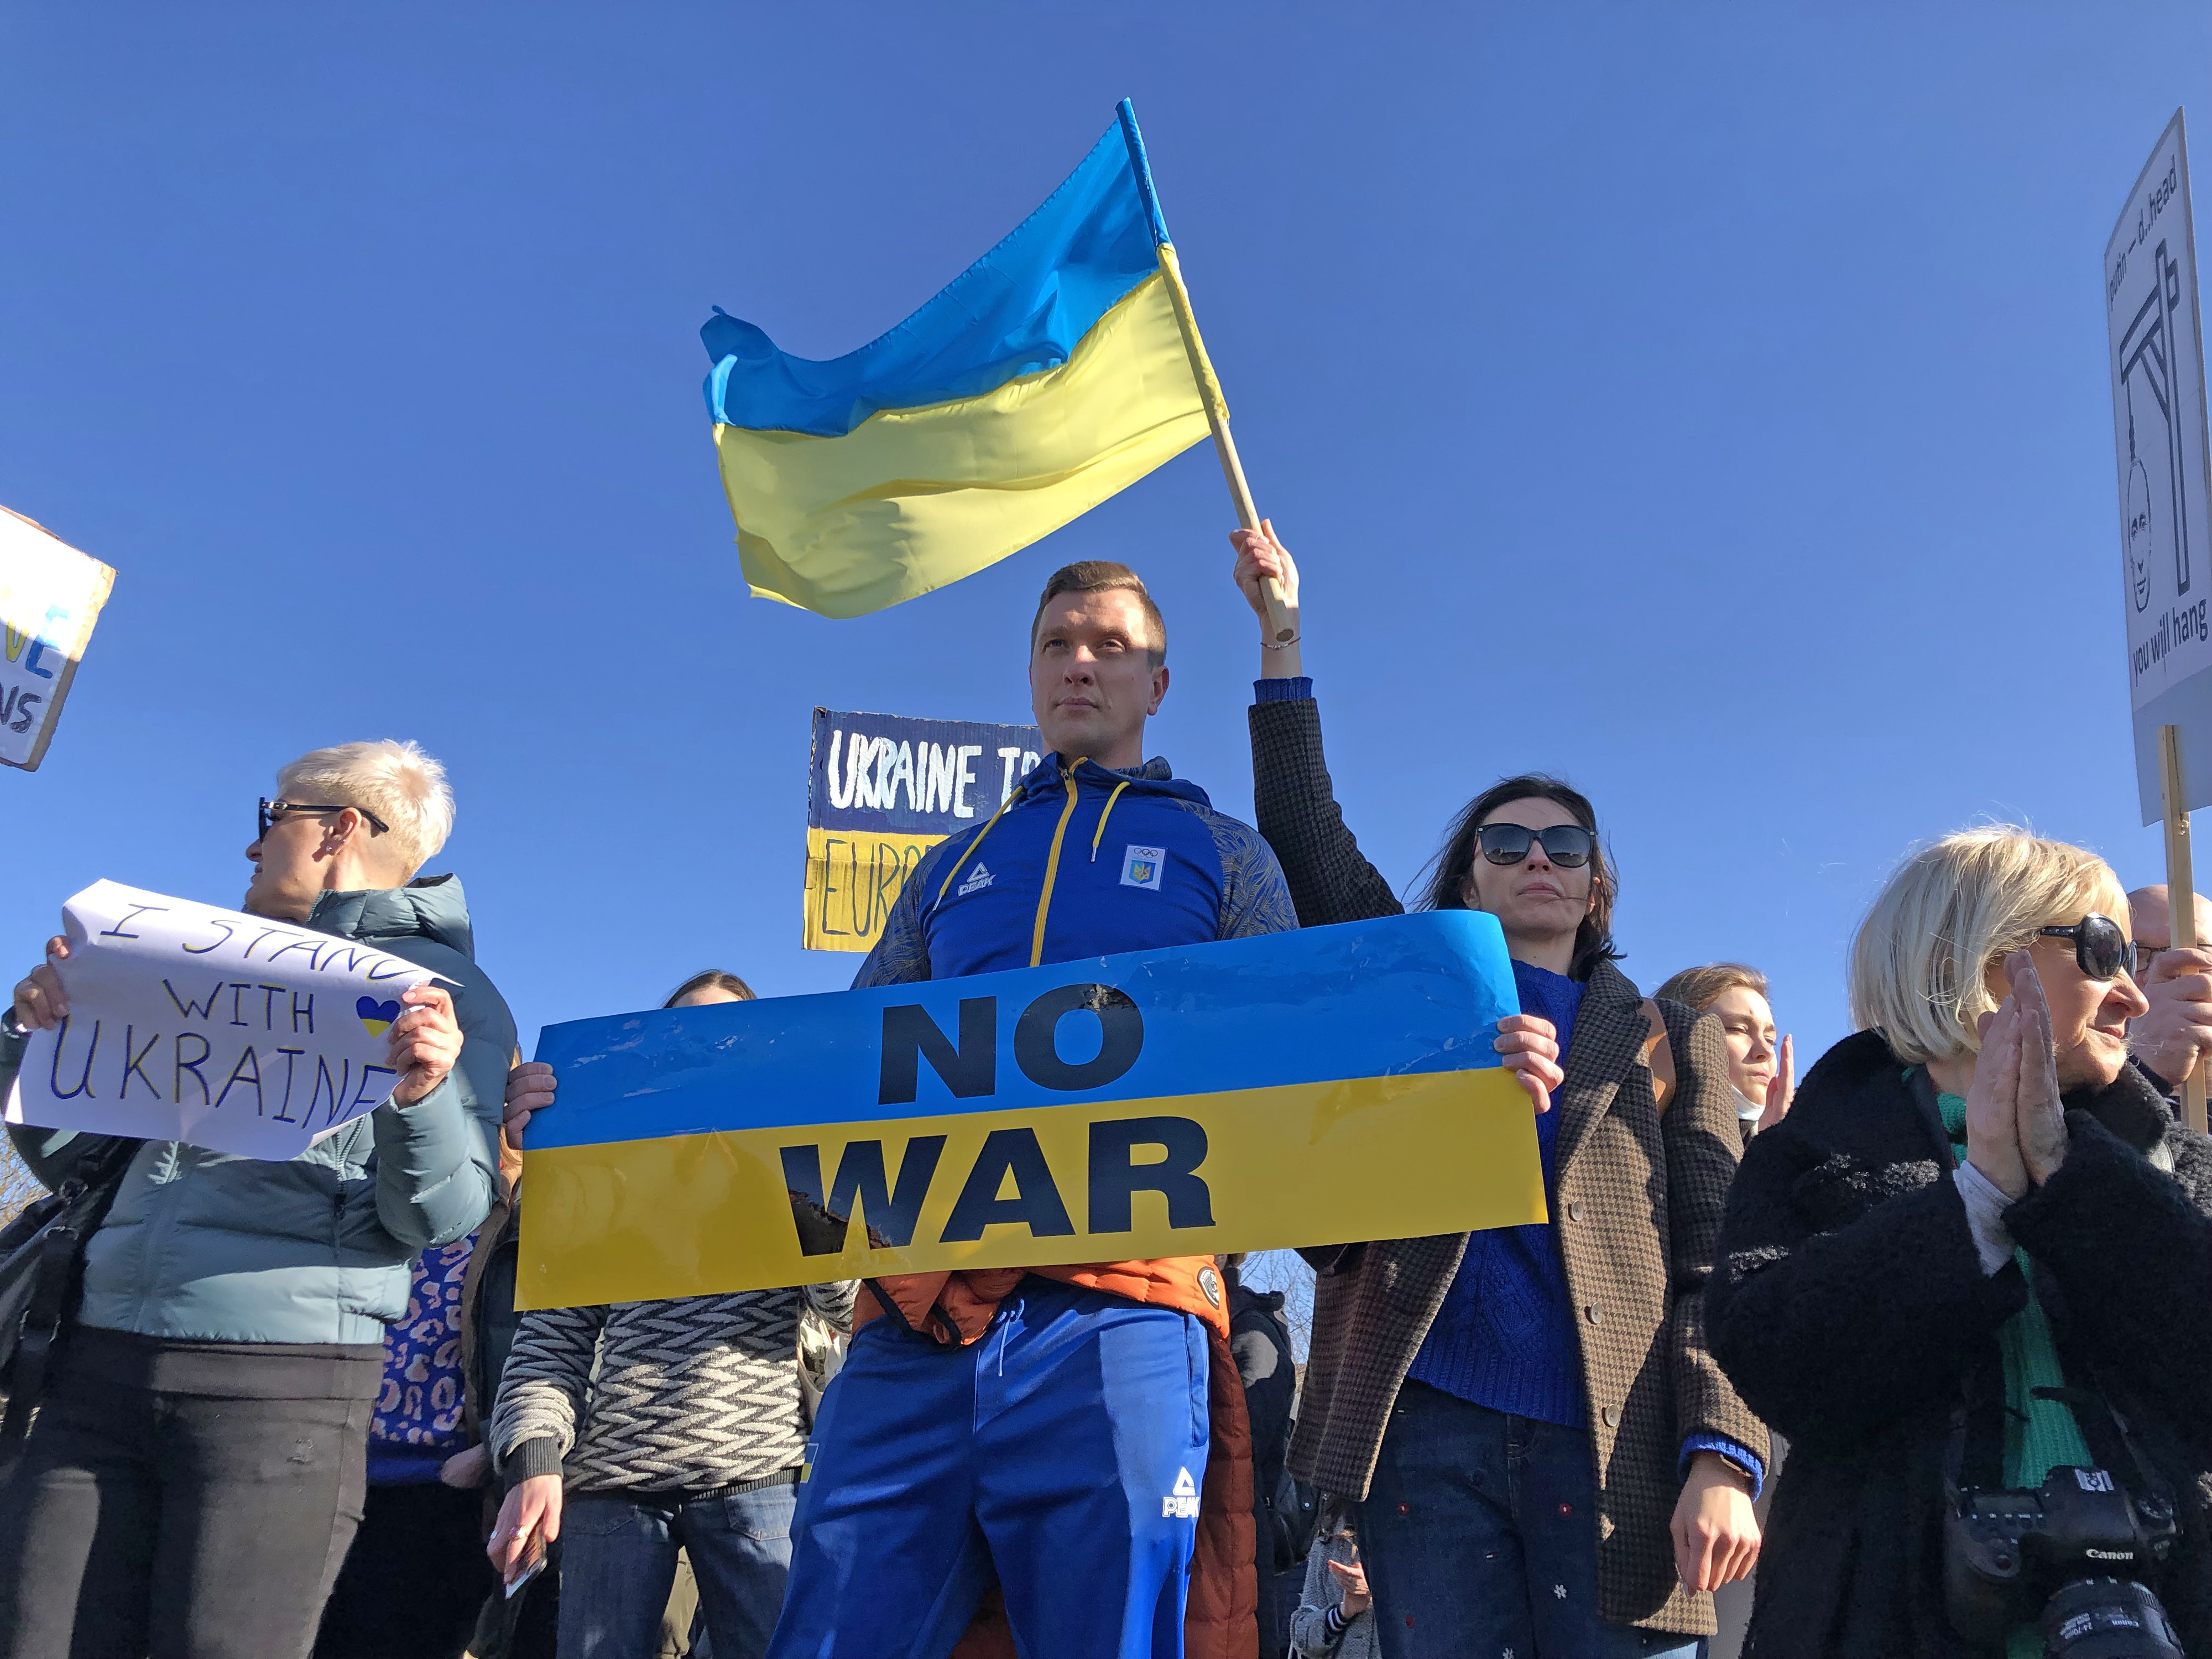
[[1306, 1088]]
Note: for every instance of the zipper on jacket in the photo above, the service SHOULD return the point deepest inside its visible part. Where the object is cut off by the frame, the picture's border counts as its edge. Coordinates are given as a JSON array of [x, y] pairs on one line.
[[1052, 865], [155, 1233]]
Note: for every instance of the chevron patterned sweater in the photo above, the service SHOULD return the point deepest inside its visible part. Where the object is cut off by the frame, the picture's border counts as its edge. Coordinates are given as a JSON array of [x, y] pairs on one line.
[[684, 1396]]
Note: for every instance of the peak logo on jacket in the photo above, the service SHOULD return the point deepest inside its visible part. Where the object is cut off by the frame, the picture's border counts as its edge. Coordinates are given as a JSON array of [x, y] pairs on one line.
[[976, 882]]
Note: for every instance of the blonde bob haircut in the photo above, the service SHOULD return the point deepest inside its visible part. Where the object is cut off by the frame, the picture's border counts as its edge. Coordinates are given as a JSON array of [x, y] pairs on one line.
[[1952, 911], [396, 780]]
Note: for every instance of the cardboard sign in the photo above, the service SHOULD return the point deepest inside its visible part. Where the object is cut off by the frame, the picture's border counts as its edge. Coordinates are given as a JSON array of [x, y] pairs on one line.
[[2165, 469], [881, 791], [1303, 1088], [50, 597], [195, 1023]]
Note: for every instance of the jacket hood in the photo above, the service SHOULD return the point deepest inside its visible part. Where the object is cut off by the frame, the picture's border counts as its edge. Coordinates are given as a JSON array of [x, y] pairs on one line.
[[1155, 777], [432, 907]]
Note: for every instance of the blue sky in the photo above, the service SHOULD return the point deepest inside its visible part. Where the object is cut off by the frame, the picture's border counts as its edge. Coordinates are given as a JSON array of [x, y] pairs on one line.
[[1706, 402]]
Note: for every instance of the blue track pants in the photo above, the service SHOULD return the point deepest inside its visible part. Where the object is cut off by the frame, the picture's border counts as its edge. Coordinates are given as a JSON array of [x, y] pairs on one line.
[[1063, 1454]]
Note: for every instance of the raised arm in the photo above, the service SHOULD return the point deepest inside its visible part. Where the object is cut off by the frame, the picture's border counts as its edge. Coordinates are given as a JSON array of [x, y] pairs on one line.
[[1329, 879]]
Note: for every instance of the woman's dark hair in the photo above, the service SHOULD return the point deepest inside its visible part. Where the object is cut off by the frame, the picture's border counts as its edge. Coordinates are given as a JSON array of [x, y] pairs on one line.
[[1454, 867], [712, 980]]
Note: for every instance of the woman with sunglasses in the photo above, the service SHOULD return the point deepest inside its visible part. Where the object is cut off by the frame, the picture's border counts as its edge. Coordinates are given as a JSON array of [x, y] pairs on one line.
[[1546, 1458], [1979, 1234]]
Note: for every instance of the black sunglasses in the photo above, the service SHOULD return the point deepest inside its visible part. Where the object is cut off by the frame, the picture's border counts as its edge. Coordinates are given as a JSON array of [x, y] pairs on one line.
[[2101, 950], [1567, 845], [275, 812]]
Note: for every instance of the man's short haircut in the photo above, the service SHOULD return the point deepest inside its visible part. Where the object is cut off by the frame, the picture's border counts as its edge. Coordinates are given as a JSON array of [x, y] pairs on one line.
[[1096, 576], [1701, 987], [396, 780], [1952, 911]]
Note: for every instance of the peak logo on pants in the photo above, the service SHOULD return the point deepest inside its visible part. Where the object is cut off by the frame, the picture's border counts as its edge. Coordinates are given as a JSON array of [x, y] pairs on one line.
[[1181, 1504]]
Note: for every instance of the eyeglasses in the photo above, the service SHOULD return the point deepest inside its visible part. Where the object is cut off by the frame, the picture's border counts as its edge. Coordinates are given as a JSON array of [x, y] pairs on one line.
[[2101, 950], [1567, 845], [275, 812]]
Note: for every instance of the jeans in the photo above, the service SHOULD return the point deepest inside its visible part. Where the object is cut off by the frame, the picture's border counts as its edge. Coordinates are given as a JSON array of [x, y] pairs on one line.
[[618, 1564], [1479, 1534], [1064, 1451]]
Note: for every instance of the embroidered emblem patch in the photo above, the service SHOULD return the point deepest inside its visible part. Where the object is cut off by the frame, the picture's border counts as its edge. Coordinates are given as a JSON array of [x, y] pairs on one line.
[[1144, 867]]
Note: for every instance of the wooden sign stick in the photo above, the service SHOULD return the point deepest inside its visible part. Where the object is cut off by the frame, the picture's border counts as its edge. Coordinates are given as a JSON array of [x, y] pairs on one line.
[[2180, 891]]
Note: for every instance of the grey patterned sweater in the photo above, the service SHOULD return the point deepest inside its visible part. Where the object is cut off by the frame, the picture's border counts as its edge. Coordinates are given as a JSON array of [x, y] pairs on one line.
[[689, 1395]]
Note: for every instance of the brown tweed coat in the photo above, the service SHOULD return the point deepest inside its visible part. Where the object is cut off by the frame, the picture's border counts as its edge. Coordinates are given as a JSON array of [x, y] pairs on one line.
[[1636, 1212]]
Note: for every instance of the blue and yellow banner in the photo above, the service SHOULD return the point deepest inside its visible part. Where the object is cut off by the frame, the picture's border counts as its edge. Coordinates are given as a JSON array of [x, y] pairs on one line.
[[1315, 1087], [1058, 369]]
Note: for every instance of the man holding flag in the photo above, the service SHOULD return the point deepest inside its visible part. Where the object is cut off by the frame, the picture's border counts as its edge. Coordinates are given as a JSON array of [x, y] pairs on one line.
[[1064, 1431]]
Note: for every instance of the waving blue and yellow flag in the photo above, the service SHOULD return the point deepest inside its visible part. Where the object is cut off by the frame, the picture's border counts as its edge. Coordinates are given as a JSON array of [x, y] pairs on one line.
[[1061, 366]]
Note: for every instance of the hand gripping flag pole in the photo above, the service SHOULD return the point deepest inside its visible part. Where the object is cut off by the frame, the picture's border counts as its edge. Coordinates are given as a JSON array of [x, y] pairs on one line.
[[1282, 619]]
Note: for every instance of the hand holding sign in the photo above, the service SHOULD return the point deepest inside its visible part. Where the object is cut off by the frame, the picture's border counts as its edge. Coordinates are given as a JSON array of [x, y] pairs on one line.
[[41, 1003], [425, 1041], [1529, 1046]]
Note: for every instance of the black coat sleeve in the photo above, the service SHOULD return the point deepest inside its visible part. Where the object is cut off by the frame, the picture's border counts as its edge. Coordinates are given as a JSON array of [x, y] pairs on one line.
[[2131, 1246], [1834, 1327], [1330, 879], [1704, 1146], [1263, 1364]]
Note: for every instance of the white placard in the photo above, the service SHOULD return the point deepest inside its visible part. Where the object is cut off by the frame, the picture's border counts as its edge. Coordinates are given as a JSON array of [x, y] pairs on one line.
[[191, 1022], [50, 597], [2165, 468]]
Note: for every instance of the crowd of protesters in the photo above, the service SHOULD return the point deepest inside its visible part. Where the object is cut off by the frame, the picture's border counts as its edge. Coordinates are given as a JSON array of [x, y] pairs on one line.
[[294, 1410]]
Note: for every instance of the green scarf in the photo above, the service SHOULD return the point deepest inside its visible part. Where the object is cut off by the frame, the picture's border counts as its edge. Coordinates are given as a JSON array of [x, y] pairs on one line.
[[2040, 1435]]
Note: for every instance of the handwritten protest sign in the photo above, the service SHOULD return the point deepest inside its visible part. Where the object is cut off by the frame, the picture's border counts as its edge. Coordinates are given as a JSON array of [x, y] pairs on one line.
[[881, 791], [230, 1031], [1303, 1088], [2165, 471], [50, 597]]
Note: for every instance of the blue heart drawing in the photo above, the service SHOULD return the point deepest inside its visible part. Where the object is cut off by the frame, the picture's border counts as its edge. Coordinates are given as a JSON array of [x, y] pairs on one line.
[[376, 1017]]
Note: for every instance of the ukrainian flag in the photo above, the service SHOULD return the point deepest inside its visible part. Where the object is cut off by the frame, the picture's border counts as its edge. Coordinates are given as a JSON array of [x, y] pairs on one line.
[[1061, 366]]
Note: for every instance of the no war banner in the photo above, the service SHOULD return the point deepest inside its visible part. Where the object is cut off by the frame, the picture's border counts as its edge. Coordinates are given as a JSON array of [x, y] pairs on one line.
[[1307, 1088]]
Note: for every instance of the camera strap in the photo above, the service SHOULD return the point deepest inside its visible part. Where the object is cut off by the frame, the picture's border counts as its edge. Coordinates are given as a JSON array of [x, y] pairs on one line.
[[2111, 1442], [1974, 1458]]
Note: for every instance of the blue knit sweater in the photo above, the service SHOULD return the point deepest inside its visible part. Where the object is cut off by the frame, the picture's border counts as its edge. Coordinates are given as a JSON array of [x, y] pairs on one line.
[[1506, 1335]]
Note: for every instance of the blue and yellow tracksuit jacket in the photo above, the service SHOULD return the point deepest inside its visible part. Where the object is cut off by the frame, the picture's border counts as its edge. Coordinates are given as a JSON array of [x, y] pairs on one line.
[[1081, 862]]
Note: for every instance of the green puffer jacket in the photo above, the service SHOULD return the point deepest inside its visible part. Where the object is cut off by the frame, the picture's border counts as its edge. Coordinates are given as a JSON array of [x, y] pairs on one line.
[[212, 1247]]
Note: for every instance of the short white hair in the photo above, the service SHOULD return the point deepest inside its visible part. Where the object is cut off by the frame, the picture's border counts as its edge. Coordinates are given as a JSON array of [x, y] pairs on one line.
[[396, 781], [1953, 909]]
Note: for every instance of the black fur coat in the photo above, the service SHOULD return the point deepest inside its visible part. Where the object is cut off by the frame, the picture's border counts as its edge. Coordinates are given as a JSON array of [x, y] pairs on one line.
[[1849, 1305]]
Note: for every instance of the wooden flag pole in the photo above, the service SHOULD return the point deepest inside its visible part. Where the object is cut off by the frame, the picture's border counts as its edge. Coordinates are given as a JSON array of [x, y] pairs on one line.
[[1282, 617], [2180, 891]]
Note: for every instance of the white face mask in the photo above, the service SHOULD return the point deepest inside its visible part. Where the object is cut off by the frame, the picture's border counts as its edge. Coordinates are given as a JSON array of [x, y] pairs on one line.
[[1747, 1109]]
